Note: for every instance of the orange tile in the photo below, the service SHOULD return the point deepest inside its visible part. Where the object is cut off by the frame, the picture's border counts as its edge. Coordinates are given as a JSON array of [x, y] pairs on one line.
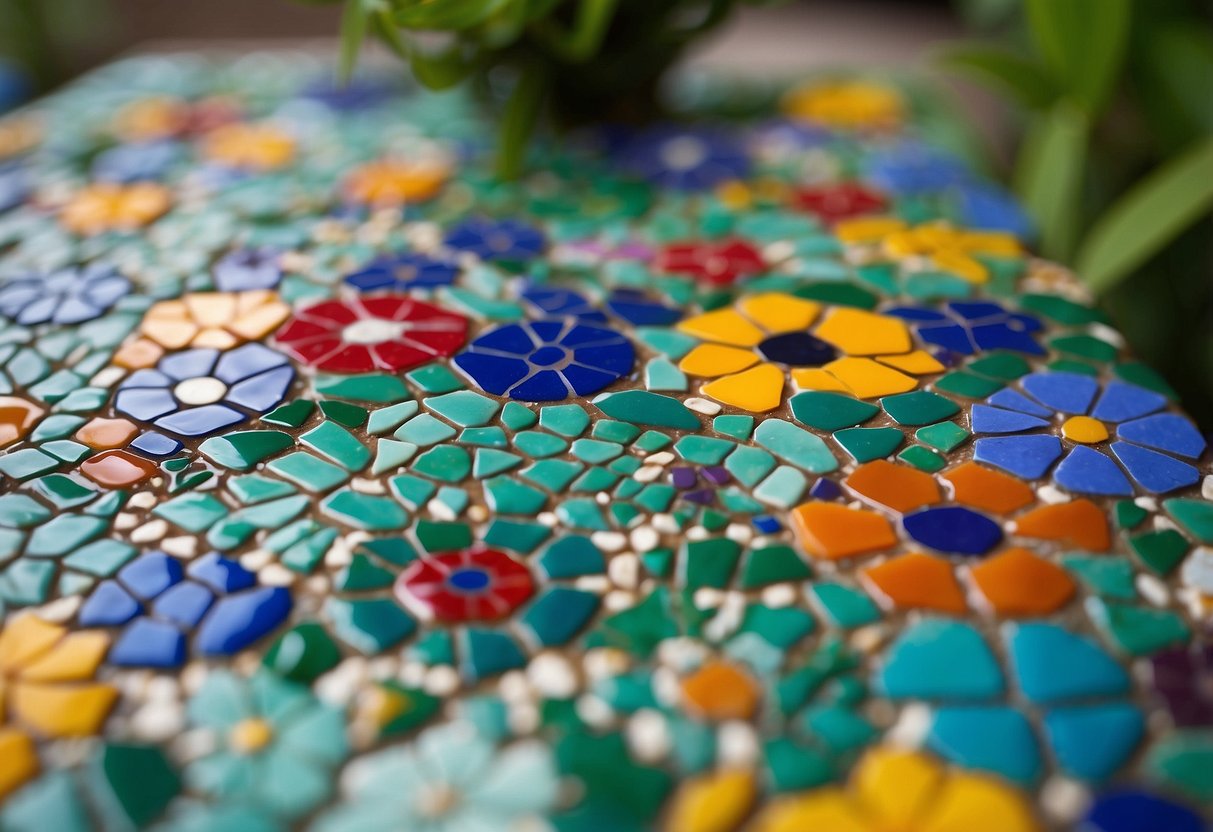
[[1076, 523], [104, 434], [720, 691], [980, 487], [899, 487], [916, 581], [1018, 583], [138, 354], [117, 469], [17, 416], [831, 531]]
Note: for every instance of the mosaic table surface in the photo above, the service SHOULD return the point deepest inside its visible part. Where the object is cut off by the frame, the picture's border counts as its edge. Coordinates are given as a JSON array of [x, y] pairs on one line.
[[714, 477]]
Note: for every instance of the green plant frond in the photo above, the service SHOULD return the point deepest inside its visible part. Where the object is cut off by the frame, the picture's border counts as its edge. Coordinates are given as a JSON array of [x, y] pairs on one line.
[[1147, 218], [1001, 69], [1049, 175], [1083, 42], [583, 41], [445, 15]]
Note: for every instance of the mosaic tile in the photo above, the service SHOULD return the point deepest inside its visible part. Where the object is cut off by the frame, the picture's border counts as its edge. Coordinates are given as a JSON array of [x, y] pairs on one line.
[[719, 476]]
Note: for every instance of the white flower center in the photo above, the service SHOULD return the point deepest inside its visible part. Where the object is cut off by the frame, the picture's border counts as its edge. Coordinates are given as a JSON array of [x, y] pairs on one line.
[[372, 331], [201, 390], [683, 153]]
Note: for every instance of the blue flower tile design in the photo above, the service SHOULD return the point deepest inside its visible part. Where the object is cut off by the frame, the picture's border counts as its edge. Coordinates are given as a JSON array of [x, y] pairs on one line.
[[546, 361], [401, 272], [159, 604], [684, 158], [248, 268], [497, 239], [556, 302], [67, 296], [968, 327], [136, 162], [200, 391], [1148, 438]]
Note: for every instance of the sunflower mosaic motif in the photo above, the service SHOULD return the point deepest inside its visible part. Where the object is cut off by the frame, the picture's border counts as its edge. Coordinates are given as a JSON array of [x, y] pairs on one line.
[[712, 478]]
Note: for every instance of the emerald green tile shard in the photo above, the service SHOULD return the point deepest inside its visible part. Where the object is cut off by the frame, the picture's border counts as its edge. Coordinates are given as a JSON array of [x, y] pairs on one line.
[[244, 449], [377, 389], [919, 408], [830, 411], [867, 444], [709, 562], [464, 408], [795, 445], [650, 409]]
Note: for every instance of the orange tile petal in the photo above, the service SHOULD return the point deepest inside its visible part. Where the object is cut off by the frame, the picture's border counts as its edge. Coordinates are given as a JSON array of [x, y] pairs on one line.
[[103, 434], [980, 487], [1018, 583], [17, 416], [117, 469], [1076, 523], [898, 487], [831, 531], [916, 581], [720, 691]]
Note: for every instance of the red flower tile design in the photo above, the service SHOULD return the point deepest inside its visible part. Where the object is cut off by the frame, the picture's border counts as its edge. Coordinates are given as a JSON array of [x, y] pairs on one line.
[[842, 201], [390, 332], [718, 263], [470, 585]]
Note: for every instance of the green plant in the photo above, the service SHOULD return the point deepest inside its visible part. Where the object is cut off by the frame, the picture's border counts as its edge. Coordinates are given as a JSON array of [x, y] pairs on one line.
[[573, 59], [1116, 159]]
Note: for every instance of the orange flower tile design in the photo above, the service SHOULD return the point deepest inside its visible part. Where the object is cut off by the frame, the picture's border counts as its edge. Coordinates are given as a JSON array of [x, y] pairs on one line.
[[259, 147], [219, 320], [897, 487], [981, 487], [1019, 584], [391, 183], [108, 206], [916, 581], [834, 532], [1077, 523]]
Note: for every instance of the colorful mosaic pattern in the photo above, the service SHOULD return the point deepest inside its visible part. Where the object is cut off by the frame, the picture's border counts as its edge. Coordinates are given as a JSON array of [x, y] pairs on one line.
[[711, 478]]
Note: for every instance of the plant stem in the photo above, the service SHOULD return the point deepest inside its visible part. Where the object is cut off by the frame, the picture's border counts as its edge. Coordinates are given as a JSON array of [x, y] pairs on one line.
[[518, 121]]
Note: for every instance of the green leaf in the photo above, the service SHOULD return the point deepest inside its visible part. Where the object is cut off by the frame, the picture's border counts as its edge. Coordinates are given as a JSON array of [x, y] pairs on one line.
[[1179, 58], [439, 70], [1083, 43], [1012, 73], [1148, 217], [1049, 174], [353, 30], [446, 15]]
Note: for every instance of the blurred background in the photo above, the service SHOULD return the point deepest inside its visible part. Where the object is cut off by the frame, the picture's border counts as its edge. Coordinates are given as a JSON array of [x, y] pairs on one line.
[[1109, 145]]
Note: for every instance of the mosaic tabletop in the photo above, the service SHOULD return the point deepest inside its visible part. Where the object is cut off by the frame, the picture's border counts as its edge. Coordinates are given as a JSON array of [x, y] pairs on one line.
[[723, 475]]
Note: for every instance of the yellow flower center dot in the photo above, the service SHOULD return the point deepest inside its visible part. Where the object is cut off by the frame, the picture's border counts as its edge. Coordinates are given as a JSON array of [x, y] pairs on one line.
[[1084, 429], [250, 735]]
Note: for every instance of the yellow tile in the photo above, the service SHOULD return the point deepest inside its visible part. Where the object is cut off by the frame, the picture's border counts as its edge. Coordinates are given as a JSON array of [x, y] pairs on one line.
[[215, 338], [968, 802], [815, 379], [867, 229], [991, 242], [712, 360], [725, 325], [895, 787], [780, 312], [758, 389], [918, 362], [62, 710], [77, 656], [961, 264], [857, 332], [18, 760], [26, 638], [1084, 429], [715, 803], [867, 379], [824, 810], [259, 322]]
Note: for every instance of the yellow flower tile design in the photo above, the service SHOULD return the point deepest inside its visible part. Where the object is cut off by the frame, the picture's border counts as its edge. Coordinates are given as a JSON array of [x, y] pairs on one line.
[[903, 791], [746, 347], [19, 134], [47, 690], [951, 249], [848, 105], [220, 320], [259, 147], [150, 118], [108, 206]]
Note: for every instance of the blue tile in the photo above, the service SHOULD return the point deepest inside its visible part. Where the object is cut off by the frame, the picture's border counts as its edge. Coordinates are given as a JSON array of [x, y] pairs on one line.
[[1165, 432], [1121, 402], [1064, 392], [1087, 471], [1039, 650], [953, 529], [1155, 472], [938, 659], [997, 739], [986, 419], [239, 620], [148, 643], [1027, 457], [1091, 742]]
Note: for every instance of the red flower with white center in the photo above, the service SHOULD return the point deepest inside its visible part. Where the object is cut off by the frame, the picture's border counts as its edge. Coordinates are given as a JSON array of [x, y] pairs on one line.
[[716, 263], [386, 332], [833, 203], [469, 585]]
